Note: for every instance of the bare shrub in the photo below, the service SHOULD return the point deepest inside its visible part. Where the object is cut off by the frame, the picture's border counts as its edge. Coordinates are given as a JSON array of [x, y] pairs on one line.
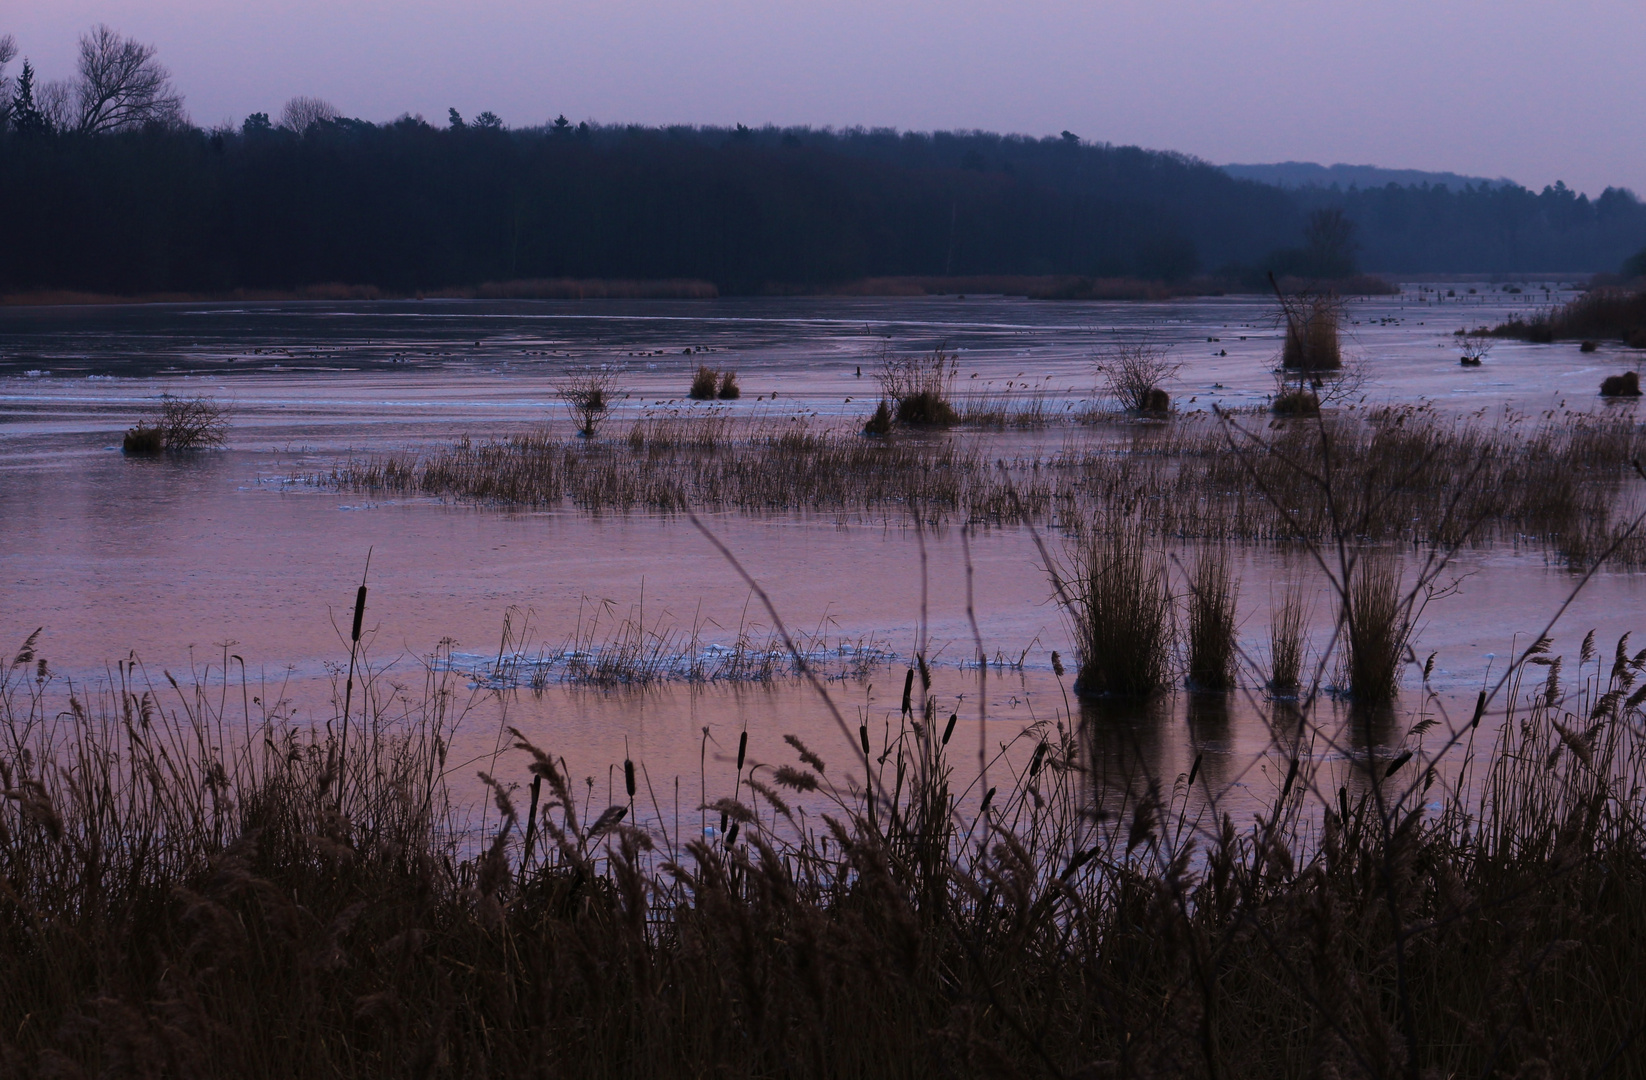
[[179, 424], [1475, 344], [1134, 374], [920, 388], [588, 397], [1122, 612], [1213, 594]]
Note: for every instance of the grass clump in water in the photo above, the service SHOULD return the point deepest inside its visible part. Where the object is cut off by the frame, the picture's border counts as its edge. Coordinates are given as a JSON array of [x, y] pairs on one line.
[[1377, 625], [1624, 385], [1121, 607], [1134, 375], [920, 389], [1286, 642], [704, 383], [1213, 594]]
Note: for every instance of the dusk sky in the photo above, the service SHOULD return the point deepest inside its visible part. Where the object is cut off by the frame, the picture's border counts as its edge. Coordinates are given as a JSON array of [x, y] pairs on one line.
[[1532, 91]]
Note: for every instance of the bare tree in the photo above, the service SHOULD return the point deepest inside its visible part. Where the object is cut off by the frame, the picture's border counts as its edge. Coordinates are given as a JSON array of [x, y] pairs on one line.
[[301, 112], [121, 85], [8, 53], [57, 102]]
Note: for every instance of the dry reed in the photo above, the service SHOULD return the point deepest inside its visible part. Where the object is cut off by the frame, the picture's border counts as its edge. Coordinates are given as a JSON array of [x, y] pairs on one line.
[[1212, 597]]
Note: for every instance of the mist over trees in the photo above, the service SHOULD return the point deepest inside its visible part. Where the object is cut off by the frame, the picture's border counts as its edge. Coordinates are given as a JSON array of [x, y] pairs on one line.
[[112, 190]]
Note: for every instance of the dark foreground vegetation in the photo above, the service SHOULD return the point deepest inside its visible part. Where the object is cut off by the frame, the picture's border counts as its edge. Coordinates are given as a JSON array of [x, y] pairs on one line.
[[119, 194], [197, 886]]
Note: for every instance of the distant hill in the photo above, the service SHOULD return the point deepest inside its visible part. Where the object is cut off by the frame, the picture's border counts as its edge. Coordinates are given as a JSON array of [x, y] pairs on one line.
[[1305, 174]]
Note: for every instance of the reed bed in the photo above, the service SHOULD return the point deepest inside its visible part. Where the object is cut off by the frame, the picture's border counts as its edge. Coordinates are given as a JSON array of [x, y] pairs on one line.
[[1554, 482], [194, 886]]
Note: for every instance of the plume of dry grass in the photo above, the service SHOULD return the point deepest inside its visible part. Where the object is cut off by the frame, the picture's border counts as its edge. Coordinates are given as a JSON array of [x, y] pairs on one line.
[[180, 901]]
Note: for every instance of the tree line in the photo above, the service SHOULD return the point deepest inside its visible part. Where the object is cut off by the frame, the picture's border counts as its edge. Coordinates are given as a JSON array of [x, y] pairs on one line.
[[112, 189]]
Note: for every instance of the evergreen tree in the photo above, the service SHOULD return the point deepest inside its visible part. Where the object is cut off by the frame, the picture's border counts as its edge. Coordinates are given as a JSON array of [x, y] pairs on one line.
[[26, 117]]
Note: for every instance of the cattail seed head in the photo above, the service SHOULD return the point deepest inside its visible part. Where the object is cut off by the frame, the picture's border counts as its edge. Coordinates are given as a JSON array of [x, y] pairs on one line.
[[359, 612], [949, 729], [863, 734], [742, 748], [628, 776]]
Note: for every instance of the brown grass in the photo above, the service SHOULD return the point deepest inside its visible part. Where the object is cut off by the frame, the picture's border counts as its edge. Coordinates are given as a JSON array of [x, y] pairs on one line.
[[1212, 598], [1120, 604], [194, 887], [1553, 482], [920, 388]]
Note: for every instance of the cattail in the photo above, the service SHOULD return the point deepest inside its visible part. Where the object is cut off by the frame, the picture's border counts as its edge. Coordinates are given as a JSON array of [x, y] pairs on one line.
[[742, 748], [1057, 664], [1039, 756], [1291, 775], [1343, 803], [731, 837], [628, 776], [359, 612], [1480, 709], [908, 692], [863, 734], [988, 798], [1194, 770], [949, 729], [1395, 765]]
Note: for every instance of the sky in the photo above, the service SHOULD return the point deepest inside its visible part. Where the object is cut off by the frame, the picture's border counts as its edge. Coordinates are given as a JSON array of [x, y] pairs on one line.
[[1536, 92]]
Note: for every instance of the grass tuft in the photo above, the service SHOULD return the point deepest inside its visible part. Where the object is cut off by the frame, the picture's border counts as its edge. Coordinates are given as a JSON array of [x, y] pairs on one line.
[[1213, 594], [1122, 612]]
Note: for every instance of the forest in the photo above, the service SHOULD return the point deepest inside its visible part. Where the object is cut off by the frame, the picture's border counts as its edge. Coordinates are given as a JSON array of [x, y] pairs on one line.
[[110, 189]]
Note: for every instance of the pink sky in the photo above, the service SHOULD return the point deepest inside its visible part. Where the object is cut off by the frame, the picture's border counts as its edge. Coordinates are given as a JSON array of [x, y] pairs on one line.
[[1533, 91]]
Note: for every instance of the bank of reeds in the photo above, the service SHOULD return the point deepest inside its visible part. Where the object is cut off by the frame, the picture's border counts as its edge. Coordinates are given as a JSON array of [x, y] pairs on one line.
[[1377, 625], [1613, 313], [197, 887], [1555, 482]]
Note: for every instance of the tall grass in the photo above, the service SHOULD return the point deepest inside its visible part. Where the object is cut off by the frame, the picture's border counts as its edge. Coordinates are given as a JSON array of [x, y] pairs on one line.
[[1311, 323], [1616, 313], [1286, 641], [1121, 609], [1377, 627], [1212, 598], [196, 888]]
